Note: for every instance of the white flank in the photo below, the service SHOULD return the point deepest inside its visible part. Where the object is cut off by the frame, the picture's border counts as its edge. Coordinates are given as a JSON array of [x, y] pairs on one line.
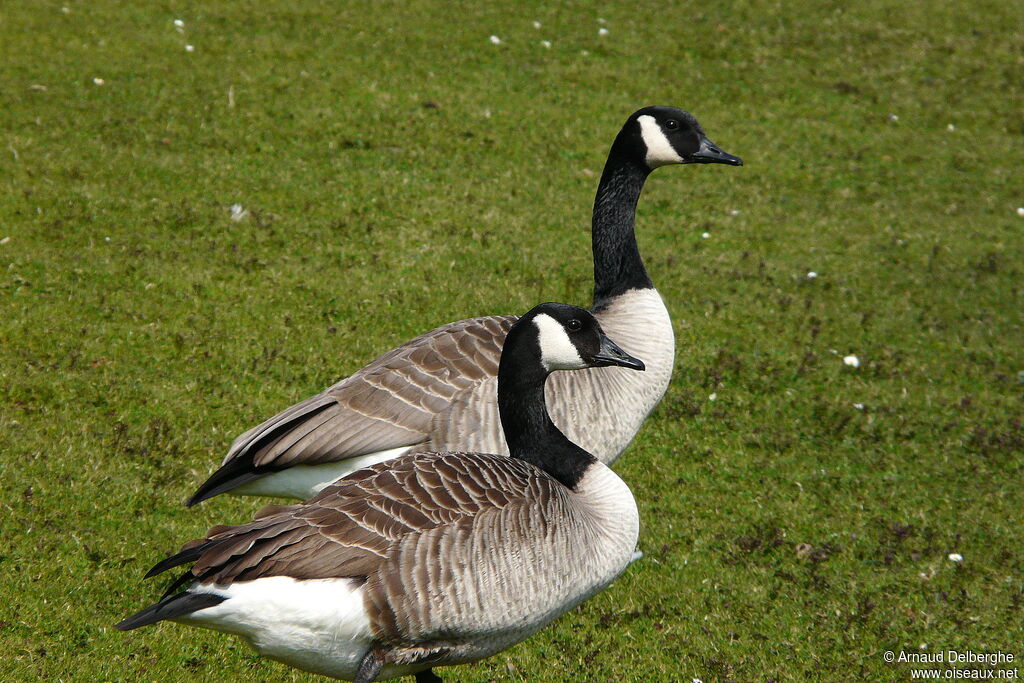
[[557, 352], [660, 151], [305, 481], [317, 625]]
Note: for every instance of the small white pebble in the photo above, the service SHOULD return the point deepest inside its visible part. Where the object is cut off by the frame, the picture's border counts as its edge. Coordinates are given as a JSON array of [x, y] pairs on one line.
[[705, 235], [601, 21], [5, 240], [922, 646], [713, 396], [190, 48], [106, 239], [696, 680], [955, 557], [734, 212], [951, 128], [602, 31], [893, 117], [811, 275], [536, 24], [98, 81], [923, 575], [546, 43], [1020, 210], [179, 23], [496, 40], [852, 361], [65, 10], [238, 212], [858, 406], [584, 53]]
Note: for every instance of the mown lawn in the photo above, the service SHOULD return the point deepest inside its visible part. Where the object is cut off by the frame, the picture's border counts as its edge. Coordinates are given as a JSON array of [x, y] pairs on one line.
[[395, 169]]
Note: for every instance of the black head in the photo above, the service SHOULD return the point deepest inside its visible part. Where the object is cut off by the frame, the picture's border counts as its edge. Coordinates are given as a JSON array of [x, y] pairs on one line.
[[570, 338], [659, 136]]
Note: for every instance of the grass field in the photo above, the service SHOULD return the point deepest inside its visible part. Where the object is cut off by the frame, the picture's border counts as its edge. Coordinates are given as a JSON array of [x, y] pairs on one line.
[[397, 170]]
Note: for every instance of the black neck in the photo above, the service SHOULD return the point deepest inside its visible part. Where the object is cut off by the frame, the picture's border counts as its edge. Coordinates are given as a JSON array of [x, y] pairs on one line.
[[529, 431], [617, 263]]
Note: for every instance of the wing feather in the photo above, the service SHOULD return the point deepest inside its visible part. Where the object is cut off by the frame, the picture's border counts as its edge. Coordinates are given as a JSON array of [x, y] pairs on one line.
[[391, 403], [352, 528]]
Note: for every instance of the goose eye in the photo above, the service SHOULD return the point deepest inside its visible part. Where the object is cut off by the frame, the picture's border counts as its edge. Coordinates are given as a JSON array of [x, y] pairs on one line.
[[574, 325], [672, 124]]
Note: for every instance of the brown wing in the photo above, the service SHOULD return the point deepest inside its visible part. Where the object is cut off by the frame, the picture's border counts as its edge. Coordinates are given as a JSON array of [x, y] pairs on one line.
[[351, 528], [388, 404]]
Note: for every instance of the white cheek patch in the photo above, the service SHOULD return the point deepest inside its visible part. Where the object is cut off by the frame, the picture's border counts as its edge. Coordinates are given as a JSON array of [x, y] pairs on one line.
[[659, 150], [557, 352]]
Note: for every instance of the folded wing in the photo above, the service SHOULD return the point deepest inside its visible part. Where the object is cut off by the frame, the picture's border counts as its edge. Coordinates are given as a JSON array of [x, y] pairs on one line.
[[388, 404]]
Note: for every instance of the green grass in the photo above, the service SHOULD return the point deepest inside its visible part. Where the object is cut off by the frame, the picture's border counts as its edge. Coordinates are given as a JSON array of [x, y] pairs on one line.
[[400, 171]]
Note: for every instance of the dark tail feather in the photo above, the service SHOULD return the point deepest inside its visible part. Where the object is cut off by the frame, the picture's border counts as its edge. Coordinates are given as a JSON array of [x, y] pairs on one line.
[[169, 608], [240, 469], [186, 577], [187, 555], [223, 480]]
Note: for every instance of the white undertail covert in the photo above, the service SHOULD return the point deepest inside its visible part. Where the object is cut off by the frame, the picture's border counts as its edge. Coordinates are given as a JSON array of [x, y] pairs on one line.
[[318, 625]]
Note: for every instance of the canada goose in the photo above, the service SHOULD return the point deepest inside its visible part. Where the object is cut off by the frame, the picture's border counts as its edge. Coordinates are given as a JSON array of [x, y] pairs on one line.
[[438, 390], [431, 559]]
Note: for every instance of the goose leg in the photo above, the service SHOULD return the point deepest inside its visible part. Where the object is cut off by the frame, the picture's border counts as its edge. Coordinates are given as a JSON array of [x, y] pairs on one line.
[[369, 668], [427, 676]]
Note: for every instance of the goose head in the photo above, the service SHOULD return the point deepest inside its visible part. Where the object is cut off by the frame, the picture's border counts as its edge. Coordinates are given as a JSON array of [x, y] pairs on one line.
[[570, 338], [549, 337], [660, 136]]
